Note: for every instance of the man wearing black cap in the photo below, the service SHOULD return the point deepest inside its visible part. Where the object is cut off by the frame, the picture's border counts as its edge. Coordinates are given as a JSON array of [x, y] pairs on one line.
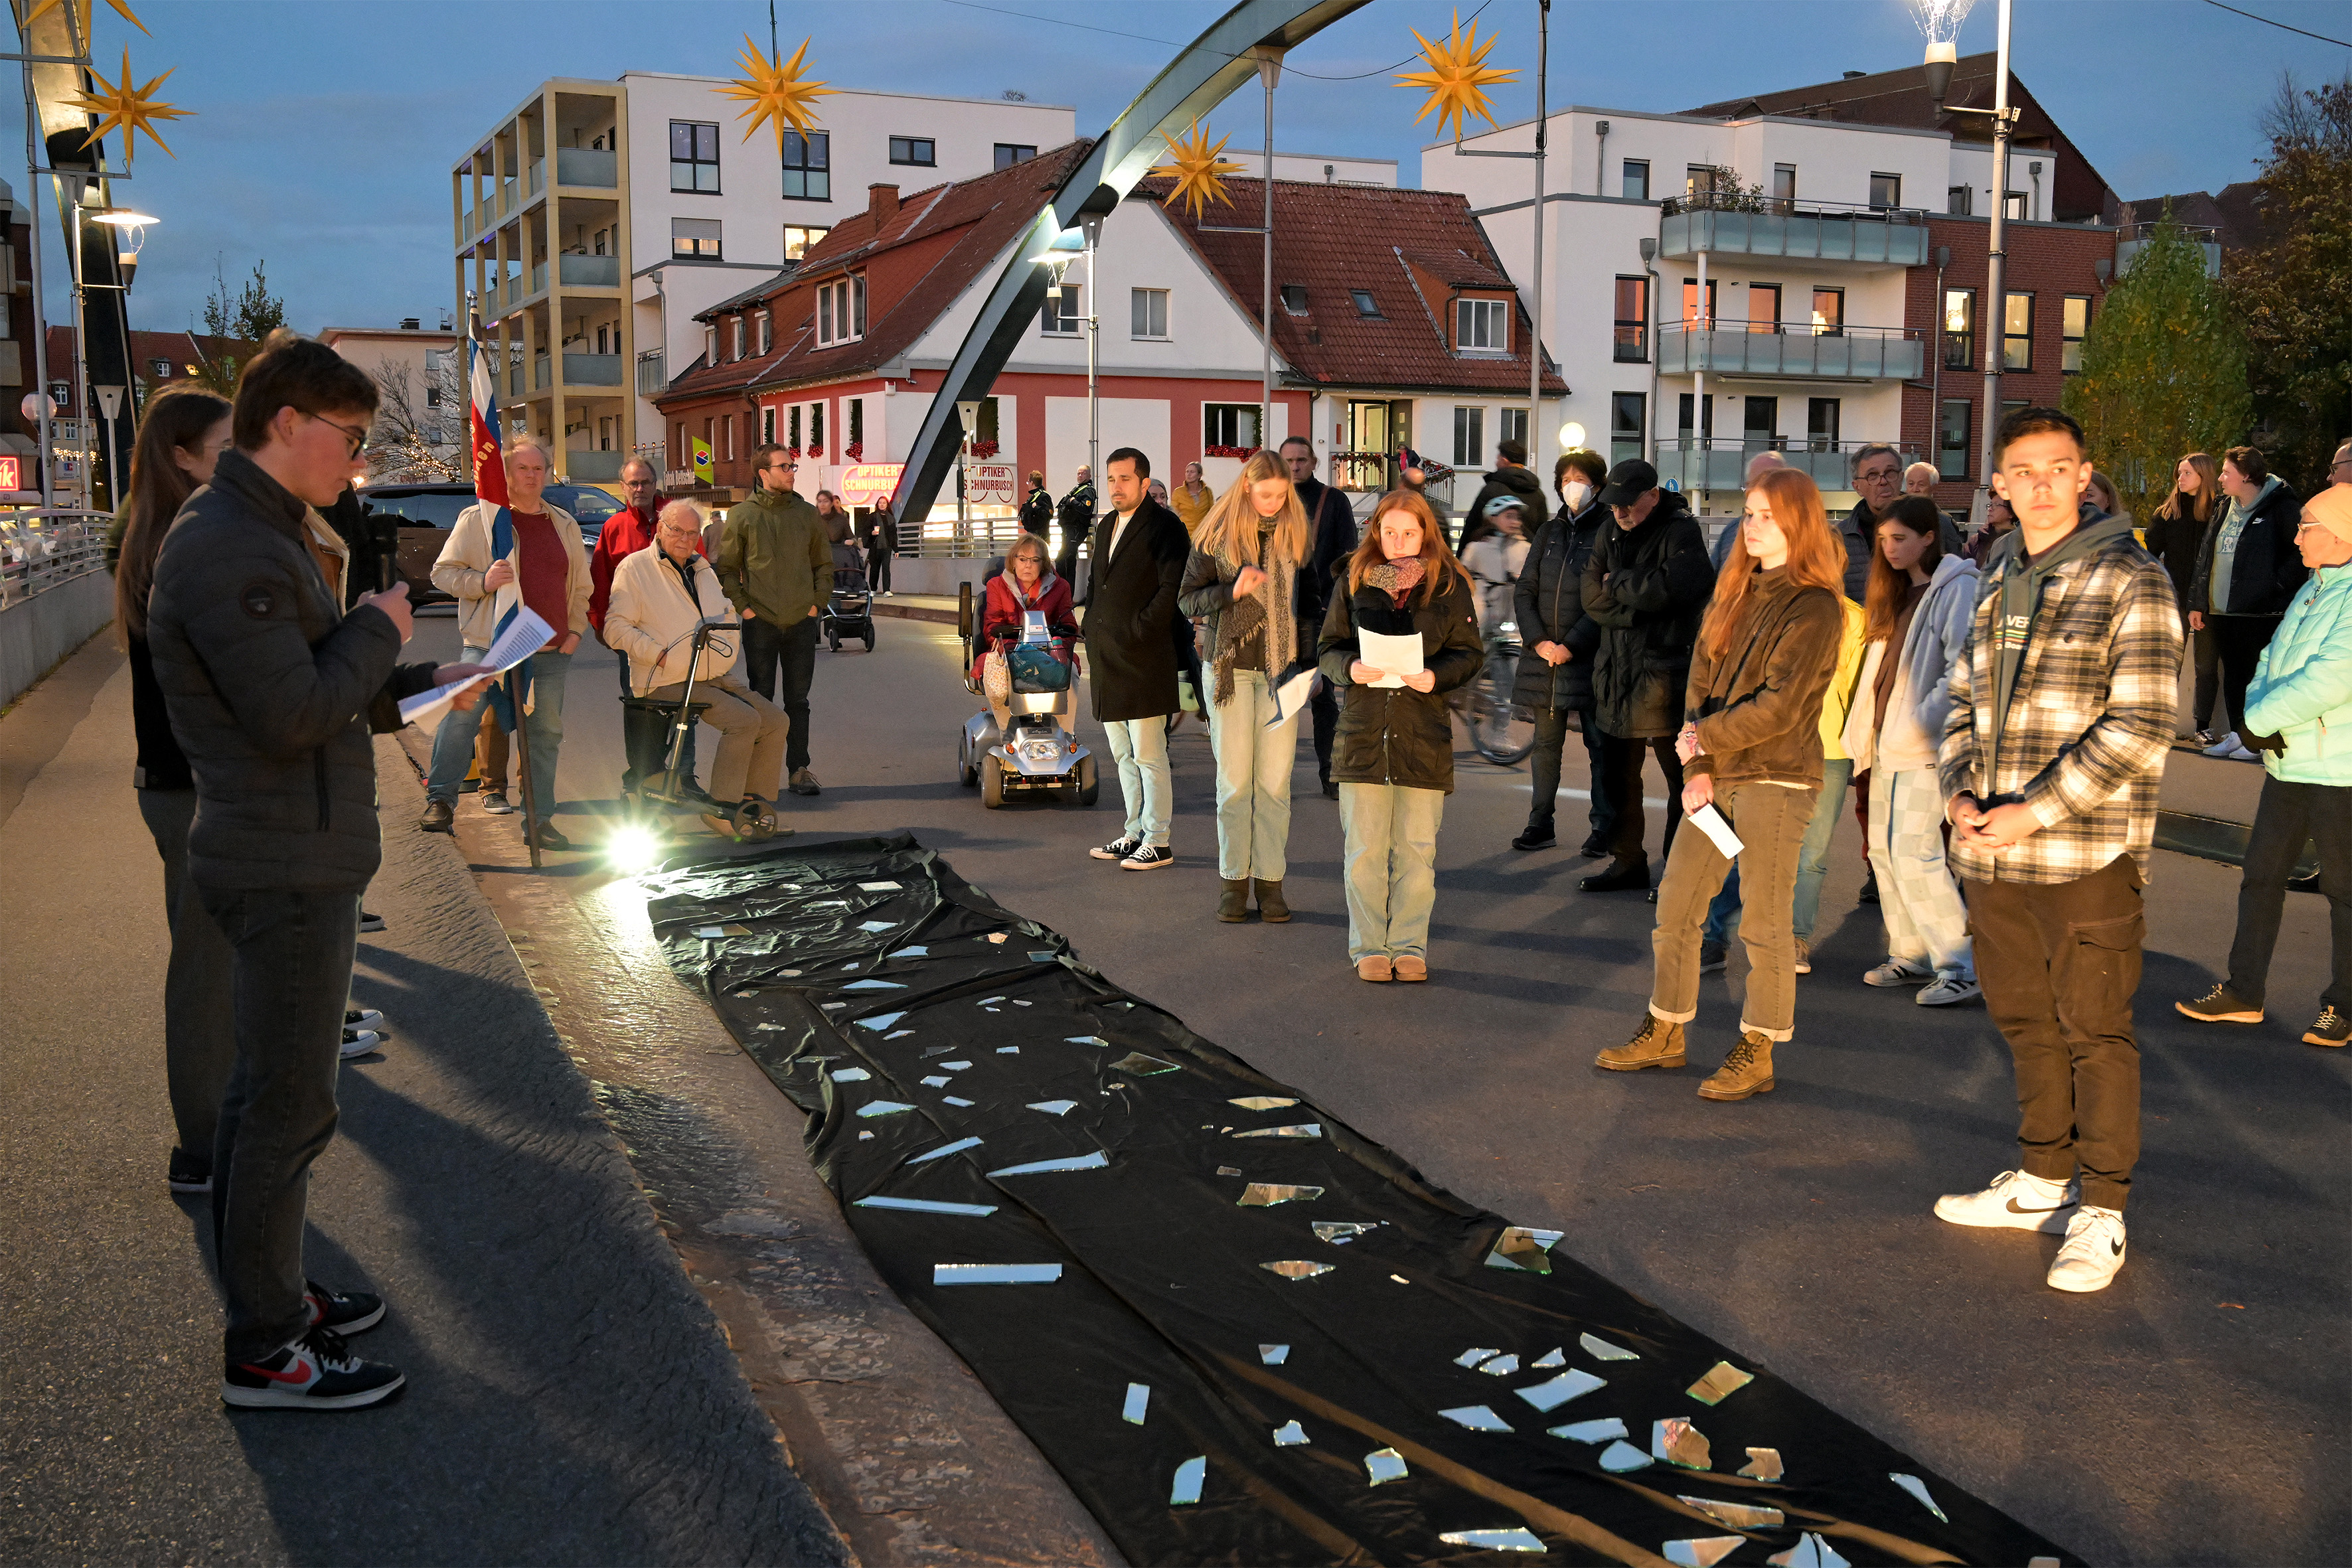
[[1645, 586]]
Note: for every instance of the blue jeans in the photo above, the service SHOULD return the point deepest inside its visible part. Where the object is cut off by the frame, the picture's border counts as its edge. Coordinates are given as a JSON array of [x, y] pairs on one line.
[[1812, 863], [542, 728], [1139, 748]]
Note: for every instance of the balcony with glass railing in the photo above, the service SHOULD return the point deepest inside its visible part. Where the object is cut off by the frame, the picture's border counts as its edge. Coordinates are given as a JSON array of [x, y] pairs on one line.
[[1773, 349], [588, 167], [651, 378], [592, 369], [1735, 224], [2133, 238], [591, 271], [1690, 463]]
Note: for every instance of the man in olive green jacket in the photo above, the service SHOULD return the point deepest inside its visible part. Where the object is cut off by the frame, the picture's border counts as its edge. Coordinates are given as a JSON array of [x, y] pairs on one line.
[[776, 565]]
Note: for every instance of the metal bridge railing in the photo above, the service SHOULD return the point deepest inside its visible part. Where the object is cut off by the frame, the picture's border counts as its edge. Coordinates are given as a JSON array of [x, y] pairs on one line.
[[40, 550]]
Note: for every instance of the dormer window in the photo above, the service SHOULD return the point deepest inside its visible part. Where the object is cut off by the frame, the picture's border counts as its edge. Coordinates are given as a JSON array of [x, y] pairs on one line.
[[1365, 304], [735, 337], [767, 332], [841, 310], [711, 346], [1481, 326], [1294, 298]]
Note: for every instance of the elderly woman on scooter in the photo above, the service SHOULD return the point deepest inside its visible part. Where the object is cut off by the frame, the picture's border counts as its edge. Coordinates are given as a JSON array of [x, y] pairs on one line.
[[661, 597]]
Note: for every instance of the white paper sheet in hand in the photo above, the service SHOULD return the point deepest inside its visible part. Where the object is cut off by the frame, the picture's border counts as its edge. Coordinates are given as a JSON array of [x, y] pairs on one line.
[[524, 635], [1400, 657], [1709, 821], [1291, 696]]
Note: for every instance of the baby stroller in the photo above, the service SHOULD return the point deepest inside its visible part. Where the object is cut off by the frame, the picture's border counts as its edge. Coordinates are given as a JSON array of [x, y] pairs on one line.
[[654, 734], [849, 609], [1023, 746]]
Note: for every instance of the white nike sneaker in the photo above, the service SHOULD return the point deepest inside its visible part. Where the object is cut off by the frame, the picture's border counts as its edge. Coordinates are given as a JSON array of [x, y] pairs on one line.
[[2093, 1253], [2014, 1201], [2224, 746]]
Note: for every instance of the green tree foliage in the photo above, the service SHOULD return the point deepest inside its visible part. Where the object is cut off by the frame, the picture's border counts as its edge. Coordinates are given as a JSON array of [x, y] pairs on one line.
[[2293, 292], [246, 317], [2164, 371]]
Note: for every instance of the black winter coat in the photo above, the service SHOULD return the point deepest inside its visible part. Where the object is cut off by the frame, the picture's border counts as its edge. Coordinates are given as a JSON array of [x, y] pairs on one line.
[[1331, 538], [1038, 511], [1076, 513], [269, 687], [2267, 568], [1647, 590], [1551, 609], [1131, 615], [2178, 540], [1519, 481], [1400, 736]]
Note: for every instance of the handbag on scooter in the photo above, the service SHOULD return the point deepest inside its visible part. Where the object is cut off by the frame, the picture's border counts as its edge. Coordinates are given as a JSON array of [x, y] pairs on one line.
[[1039, 668], [995, 677]]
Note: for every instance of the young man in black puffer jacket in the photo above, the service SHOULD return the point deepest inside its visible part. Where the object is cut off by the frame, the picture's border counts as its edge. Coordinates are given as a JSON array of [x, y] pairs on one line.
[[272, 692], [1646, 586]]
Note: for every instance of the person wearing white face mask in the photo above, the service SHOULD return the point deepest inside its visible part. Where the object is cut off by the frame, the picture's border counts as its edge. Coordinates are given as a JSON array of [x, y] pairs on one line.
[[1555, 679]]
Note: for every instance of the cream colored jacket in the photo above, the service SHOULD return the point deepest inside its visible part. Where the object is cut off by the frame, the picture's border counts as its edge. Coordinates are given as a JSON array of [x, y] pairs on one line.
[[466, 557], [650, 621]]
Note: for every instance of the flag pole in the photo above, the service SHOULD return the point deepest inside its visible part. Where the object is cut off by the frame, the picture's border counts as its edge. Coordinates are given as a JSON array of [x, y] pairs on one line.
[[486, 444], [522, 768]]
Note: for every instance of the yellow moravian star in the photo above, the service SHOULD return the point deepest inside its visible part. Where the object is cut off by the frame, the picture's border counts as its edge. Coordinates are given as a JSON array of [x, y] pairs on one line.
[[1198, 168], [774, 93], [82, 9], [1456, 79], [132, 107]]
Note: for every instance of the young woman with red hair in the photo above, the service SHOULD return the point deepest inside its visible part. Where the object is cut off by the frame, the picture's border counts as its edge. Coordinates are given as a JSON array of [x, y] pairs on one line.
[[1751, 747]]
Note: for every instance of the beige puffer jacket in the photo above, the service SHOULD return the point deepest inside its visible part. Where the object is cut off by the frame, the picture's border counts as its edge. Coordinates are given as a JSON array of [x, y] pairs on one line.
[[466, 557], [651, 622]]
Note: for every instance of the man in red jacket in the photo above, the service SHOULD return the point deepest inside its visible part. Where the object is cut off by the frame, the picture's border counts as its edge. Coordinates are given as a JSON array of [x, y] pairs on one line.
[[626, 533]]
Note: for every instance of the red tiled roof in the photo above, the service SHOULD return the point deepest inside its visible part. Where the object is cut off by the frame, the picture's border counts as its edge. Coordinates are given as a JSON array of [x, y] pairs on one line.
[[181, 348], [917, 261], [1408, 249]]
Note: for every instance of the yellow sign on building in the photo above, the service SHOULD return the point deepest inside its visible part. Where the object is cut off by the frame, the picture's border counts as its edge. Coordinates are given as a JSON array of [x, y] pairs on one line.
[[702, 468]]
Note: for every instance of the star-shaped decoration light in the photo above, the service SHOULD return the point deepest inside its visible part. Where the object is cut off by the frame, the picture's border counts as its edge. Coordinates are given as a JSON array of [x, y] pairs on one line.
[[82, 9], [774, 93], [1198, 168], [132, 107], [1456, 79]]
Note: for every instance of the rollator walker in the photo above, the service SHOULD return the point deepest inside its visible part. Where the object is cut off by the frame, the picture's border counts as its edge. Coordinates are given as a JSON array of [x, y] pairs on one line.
[[1027, 748], [653, 732]]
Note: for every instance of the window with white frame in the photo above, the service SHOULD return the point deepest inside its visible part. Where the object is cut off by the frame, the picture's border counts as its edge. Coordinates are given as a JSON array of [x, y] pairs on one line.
[[1230, 426], [1469, 437], [711, 346], [1511, 424], [841, 310], [1061, 316], [767, 332], [1481, 326], [735, 337], [1148, 313]]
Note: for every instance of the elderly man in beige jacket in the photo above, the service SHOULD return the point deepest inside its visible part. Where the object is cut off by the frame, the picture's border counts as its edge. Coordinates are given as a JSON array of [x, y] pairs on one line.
[[660, 596], [547, 565]]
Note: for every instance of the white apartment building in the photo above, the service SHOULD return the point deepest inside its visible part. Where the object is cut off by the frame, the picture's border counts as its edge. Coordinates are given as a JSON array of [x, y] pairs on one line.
[[1329, 168], [592, 264]]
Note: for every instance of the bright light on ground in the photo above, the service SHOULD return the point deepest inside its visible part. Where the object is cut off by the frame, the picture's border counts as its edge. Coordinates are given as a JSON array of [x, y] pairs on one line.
[[632, 848]]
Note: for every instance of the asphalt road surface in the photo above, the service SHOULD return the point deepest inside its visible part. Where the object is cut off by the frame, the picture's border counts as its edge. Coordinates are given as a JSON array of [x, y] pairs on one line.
[[2195, 1412]]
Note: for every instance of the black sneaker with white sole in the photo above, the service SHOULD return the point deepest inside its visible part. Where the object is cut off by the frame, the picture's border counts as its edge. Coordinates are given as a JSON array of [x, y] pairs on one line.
[[342, 1311], [317, 1372], [364, 1018], [361, 1043], [369, 921], [188, 1172], [1118, 848], [1148, 857]]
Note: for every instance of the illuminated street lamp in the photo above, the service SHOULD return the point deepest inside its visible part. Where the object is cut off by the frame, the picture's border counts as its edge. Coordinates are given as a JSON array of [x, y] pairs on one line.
[[131, 236]]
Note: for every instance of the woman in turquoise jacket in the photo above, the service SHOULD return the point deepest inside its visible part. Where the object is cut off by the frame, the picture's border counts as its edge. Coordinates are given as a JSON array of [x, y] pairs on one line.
[[2299, 710]]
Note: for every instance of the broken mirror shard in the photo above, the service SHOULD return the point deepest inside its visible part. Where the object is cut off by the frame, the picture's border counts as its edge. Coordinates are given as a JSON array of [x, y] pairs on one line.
[[1339, 1232], [1918, 1489], [1738, 1515], [936, 1082], [1501, 1366], [1722, 1380], [711, 934], [1093, 1162], [1763, 1465], [874, 985], [851, 1075], [926, 1206], [1705, 1552], [883, 1108], [1086, 1041], [898, 1033], [1553, 1357], [1297, 1269], [1473, 1357], [1055, 1107], [1139, 1394], [909, 952], [1521, 1246], [880, 1021], [1598, 1431], [1383, 1465], [1570, 1384], [954, 1067], [1273, 1355], [1289, 1434], [1601, 1350], [1515, 1539], [1677, 1442], [958, 1147], [995, 1273], [864, 1135], [955, 1099], [1303, 1129], [875, 925], [1229, 1170], [1812, 1551], [1261, 1102], [1008, 1050], [1476, 1417], [881, 887], [1265, 1194], [986, 1000], [1620, 1456], [1189, 1477], [1143, 1066], [1041, 957]]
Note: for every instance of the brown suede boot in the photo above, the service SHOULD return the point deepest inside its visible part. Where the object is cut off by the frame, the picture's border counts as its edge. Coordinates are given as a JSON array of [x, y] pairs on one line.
[[1748, 1070], [1270, 907], [1657, 1043], [1233, 904]]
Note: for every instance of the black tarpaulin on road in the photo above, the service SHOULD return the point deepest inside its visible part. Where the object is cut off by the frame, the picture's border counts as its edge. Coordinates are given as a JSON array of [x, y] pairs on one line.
[[1305, 1314]]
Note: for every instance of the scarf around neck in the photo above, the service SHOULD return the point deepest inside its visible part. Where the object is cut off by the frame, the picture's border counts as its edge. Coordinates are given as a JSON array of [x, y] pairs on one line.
[[1397, 578], [1268, 610]]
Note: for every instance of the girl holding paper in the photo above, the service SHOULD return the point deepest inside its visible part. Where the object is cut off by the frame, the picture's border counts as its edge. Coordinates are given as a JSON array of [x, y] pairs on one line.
[[1750, 748], [1243, 577], [1917, 613], [1401, 634]]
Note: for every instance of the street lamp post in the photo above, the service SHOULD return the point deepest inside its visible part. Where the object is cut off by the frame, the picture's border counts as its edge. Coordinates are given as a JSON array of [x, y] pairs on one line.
[[1992, 319], [1090, 225]]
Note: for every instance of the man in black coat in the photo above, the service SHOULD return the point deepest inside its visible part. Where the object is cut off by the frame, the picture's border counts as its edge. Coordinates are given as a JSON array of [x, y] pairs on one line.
[[1077, 515], [1037, 506], [1131, 654], [1555, 677], [1646, 586], [1331, 538], [1510, 476]]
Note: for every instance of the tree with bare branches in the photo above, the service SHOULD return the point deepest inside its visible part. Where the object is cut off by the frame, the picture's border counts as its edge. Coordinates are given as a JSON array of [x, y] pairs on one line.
[[416, 433]]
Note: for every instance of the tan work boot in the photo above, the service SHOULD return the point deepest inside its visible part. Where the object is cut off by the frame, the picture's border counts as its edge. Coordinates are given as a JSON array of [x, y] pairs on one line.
[[1748, 1070], [1658, 1044], [1271, 906]]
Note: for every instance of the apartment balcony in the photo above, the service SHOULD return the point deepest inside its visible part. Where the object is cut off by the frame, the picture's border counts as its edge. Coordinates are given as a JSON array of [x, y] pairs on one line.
[[584, 467], [586, 166], [1765, 349], [2131, 241], [590, 271], [1730, 224], [1689, 464], [651, 378], [592, 369]]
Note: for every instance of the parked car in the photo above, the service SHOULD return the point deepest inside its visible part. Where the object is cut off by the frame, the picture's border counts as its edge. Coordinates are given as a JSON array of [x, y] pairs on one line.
[[428, 512]]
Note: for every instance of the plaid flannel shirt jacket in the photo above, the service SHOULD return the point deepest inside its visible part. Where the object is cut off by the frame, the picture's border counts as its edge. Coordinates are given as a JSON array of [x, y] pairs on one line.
[[2090, 719]]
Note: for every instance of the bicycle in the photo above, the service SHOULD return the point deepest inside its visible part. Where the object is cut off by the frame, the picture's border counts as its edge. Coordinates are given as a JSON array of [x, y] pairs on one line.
[[1503, 731]]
